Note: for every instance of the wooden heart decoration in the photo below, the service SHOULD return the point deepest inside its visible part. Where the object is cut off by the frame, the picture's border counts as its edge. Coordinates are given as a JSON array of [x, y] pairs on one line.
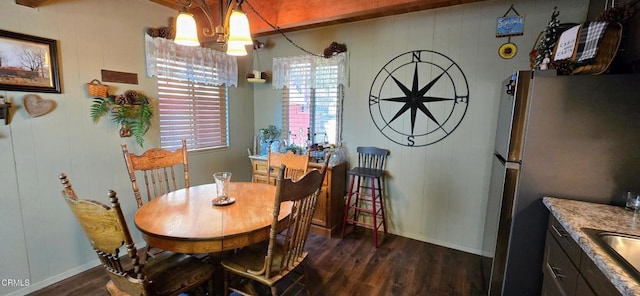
[[36, 106]]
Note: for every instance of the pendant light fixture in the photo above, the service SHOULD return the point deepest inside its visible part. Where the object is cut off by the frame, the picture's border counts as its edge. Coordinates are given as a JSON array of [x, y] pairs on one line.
[[235, 32], [238, 25], [186, 30]]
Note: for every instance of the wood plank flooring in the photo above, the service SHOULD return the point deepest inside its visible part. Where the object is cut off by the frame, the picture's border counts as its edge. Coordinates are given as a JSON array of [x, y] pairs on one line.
[[353, 266]]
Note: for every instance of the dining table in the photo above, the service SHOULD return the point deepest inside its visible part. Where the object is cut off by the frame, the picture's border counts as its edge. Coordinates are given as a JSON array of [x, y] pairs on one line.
[[187, 221]]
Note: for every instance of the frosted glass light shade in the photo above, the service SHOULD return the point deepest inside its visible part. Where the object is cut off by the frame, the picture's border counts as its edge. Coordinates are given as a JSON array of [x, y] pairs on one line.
[[239, 27], [186, 30], [236, 48]]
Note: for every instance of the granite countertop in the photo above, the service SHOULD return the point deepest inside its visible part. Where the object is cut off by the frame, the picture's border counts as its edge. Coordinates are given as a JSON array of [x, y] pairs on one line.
[[574, 215]]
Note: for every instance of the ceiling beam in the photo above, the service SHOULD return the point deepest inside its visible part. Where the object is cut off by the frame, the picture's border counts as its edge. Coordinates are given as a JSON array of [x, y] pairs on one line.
[[294, 15]]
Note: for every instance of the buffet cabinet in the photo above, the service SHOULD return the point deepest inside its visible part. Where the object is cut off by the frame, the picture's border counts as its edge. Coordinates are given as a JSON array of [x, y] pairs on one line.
[[327, 219]]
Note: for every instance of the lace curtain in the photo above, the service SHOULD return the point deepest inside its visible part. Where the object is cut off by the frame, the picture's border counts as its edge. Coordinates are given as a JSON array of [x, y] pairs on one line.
[[283, 72], [192, 63]]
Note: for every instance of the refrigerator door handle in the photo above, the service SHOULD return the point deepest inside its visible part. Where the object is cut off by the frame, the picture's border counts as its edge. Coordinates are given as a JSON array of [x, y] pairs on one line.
[[512, 165], [508, 164]]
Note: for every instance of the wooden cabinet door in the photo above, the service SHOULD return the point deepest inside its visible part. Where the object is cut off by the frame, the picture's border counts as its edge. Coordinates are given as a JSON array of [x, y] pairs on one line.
[[321, 213], [327, 218], [557, 267]]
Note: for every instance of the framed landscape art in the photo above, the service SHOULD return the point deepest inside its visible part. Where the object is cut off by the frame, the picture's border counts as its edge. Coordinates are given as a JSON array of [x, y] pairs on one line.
[[28, 63]]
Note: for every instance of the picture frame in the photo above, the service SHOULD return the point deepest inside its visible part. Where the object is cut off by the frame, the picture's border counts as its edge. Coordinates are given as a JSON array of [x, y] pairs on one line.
[[510, 26], [28, 63]]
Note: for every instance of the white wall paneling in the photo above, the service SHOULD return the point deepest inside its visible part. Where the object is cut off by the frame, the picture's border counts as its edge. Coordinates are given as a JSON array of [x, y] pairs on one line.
[[436, 193], [42, 241]]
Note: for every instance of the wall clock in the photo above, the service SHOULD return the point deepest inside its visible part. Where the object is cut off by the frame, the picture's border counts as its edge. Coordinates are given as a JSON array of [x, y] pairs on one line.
[[418, 98]]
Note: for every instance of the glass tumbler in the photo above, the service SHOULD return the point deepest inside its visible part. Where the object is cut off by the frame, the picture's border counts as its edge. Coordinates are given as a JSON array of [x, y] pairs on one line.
[[222, 184]]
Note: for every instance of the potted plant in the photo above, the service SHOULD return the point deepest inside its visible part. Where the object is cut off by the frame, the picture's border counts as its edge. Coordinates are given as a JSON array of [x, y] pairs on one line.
[[294, 148], [130, 110], [270, 133], [269, 136]]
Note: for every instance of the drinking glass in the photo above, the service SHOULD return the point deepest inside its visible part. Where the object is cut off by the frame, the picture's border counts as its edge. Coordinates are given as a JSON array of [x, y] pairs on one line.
[[222, 184]]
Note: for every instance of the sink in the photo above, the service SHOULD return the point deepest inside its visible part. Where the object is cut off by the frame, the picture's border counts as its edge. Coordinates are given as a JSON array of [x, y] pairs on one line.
[[623, 248]]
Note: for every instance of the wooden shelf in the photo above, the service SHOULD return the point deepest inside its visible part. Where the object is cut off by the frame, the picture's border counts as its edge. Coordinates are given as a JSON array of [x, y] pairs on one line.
[[256, 80]]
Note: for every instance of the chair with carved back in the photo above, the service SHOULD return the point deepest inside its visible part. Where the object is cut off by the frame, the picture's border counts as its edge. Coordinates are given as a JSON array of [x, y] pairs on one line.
[[106, 228], [296, 164], [158, 168], [270, 262]]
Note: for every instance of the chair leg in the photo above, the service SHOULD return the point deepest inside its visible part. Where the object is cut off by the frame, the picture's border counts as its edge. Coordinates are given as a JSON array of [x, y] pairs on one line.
[[356, 204], [381, 190], [305, 279], [226, 283], [374, 213], [274, 291]]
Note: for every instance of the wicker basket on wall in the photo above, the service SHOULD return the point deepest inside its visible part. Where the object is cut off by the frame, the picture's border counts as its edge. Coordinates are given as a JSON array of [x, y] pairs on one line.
[[96, 89]]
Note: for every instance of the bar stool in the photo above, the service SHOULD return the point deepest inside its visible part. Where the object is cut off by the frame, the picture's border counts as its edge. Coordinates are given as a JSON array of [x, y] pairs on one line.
[[366, 190]]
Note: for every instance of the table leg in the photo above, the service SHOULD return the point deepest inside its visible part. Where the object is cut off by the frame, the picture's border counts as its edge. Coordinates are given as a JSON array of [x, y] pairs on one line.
[[218, 274]]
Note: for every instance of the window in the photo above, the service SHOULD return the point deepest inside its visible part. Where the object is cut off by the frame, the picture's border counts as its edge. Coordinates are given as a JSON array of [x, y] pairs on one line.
[[192, 93], [194, 111], [312, 115], [312, 99]]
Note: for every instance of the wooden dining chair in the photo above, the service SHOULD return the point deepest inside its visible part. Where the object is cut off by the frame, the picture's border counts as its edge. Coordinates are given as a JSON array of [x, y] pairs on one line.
[[158, 168], [296, 165], [166, 274], [271, 262]]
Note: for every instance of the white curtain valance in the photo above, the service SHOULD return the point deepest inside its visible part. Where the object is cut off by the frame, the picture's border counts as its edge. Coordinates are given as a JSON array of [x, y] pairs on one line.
[[283, 74], [191, 63]]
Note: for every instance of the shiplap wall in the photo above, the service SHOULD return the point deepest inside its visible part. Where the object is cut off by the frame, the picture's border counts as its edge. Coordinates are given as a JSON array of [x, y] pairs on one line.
[[436, 193], [41, 241]]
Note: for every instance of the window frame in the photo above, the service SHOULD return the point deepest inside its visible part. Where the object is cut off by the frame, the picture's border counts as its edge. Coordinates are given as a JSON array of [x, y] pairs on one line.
[[313, 101]]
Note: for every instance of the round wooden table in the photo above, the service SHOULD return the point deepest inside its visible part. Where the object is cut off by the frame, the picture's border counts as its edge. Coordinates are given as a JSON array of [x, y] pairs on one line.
[[185, 220]]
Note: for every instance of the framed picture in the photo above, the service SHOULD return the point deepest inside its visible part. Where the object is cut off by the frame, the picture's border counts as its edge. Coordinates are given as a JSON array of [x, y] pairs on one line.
[[28, 63], [510, 26]]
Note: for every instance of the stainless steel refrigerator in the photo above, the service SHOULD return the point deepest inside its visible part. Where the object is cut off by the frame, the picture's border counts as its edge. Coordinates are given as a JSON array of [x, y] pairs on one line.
[[575, 137]]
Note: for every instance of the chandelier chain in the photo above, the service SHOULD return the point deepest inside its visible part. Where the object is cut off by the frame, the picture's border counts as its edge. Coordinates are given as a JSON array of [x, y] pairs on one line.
[[281, 32]]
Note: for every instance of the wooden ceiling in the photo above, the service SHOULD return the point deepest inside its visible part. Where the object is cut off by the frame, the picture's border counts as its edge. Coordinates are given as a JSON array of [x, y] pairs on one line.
[[293, 15]]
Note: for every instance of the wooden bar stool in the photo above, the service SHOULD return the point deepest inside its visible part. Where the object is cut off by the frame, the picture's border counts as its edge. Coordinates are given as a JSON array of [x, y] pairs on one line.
[[366, 190]]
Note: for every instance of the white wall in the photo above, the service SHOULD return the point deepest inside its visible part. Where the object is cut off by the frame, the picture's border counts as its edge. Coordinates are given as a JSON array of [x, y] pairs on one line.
[[436, 193], [41, 241]]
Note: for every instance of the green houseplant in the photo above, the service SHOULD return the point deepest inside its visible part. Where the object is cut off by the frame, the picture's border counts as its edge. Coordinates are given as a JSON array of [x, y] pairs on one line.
[[270, 133], [267, 136], [130, 110]]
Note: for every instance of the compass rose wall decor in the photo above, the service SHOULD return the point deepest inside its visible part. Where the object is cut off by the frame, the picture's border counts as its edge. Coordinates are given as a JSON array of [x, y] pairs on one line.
[[418, 98]]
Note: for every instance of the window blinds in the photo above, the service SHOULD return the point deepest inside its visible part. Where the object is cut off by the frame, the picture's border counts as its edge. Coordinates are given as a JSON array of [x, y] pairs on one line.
[[191, 110], [192, 84], [312, 115]]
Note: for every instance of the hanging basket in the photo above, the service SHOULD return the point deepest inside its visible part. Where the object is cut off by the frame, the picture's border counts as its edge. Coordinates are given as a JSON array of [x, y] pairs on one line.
[[97, 89]]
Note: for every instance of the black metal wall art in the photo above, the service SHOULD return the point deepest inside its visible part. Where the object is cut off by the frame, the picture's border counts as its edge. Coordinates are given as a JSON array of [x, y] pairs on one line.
[[418, 98]]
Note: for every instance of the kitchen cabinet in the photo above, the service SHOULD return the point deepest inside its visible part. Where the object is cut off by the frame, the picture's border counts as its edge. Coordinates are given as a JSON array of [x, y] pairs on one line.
[[327, 219], [567, 270]]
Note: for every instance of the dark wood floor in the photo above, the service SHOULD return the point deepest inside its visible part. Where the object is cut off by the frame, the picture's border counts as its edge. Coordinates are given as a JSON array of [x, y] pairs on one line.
[[352, 266]]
